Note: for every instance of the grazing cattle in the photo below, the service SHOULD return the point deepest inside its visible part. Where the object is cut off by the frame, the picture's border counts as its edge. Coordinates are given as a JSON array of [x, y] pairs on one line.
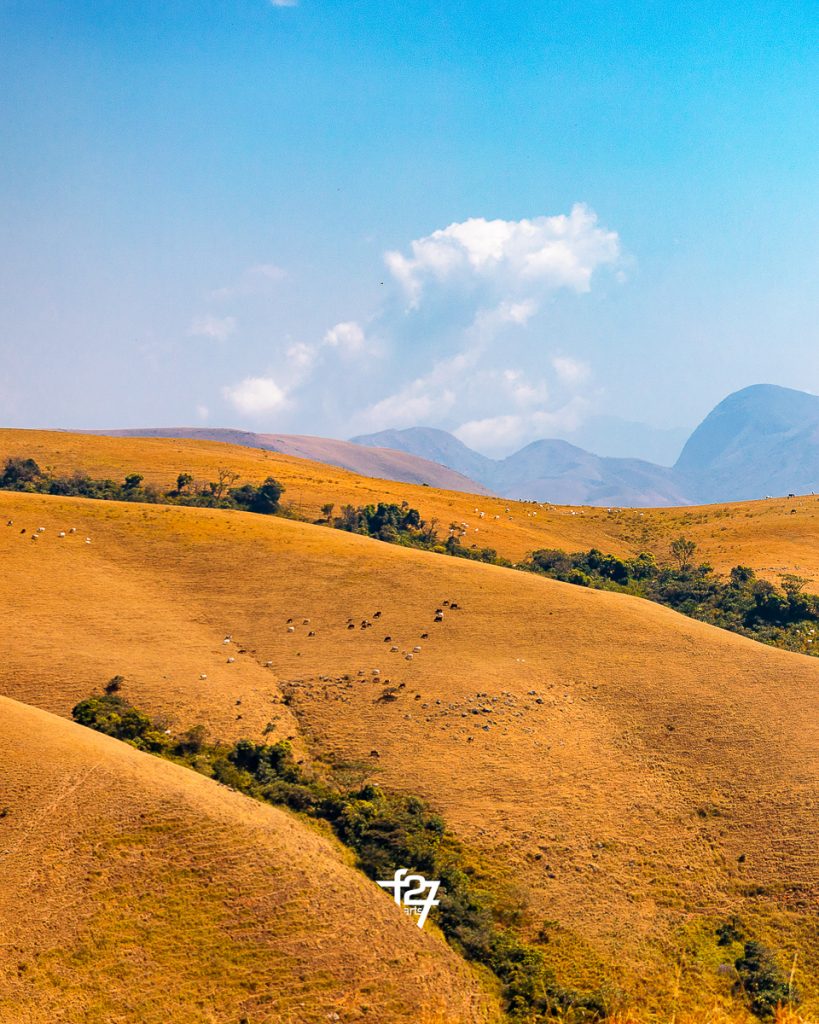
[[61, 533], [454, 606], [202, 675], [439, 617], [376, 615], [230, 661], [312, 632], [387, 639], [291, 629], [351, 625], [416, 650]]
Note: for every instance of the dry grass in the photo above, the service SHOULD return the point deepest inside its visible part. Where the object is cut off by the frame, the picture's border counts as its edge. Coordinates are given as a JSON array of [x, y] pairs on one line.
[[638, 776], [767, 535], [134, 890]]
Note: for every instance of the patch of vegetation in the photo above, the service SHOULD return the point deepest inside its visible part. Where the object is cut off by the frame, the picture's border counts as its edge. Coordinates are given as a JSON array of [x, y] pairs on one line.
[[386, 830], [783, 616], [743, 603], [21, 474], [762, 980], [115, 717], [401, 524]]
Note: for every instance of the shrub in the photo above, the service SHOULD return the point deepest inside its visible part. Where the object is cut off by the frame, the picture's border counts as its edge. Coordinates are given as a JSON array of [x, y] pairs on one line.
[[762, 979], [114, 685], [18, 472], [115, 717]]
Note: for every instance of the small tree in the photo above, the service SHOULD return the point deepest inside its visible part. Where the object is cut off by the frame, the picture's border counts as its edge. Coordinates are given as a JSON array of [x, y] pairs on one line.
[[792, 584], [114, 685], [192, 741], [682, 551], [183, 481], [741, 575], [327, 510], [19, 471], [225, 478], [132, 482]]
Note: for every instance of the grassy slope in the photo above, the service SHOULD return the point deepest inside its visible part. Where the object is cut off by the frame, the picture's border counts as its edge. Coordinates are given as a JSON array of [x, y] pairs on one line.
[[136, 890], [632, 756], [764, 534]]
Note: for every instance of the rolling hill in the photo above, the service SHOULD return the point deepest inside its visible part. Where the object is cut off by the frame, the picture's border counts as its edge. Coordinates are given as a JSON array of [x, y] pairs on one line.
[[136, 890], [382, 464], [775, 536], [641, 777]]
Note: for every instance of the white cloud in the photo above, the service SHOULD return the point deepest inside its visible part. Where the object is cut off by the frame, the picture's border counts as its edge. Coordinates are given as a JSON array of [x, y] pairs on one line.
[[498, 435], [424, 400], [255, 395], [414, 406], [464, 339], [202, 412], [525, 257], [571, 371], [522, 391], [347, 336], [301, 356], [493, 434], [284, 3], [218, 328]]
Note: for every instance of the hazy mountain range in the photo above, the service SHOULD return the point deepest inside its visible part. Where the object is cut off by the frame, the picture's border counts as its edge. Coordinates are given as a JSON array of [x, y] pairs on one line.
[[758, 441], [761, 440]]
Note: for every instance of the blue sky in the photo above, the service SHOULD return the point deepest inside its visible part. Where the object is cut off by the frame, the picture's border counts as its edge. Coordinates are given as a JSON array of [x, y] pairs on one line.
[[614, 211]]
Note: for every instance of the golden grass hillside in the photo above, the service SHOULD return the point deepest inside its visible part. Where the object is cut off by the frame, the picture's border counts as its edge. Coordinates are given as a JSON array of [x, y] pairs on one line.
[[775, 536], [134, 890], [639, 776]]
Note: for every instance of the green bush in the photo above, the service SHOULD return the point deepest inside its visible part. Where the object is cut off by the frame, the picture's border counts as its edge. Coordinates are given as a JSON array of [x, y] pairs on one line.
[[762, 980], [115, 717]]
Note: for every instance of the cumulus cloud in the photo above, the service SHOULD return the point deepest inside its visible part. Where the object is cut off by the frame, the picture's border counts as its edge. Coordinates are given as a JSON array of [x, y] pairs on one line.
[[254, 396], [497, 435], [347, 336], [300, 362], [571, 371], [513, 257], [284, 3], [466, 337], [218, 328]]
